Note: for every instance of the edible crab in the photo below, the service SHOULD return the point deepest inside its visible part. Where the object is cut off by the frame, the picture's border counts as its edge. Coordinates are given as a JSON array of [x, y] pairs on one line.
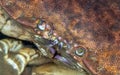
[[80, 34]]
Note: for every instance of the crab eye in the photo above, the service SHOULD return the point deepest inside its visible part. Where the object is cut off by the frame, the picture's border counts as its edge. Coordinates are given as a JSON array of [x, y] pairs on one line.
[[41, 25], [80, 52]]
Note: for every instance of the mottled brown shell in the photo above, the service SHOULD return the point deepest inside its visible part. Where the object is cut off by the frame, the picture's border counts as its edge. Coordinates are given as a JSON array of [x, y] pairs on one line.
[[94, 24]]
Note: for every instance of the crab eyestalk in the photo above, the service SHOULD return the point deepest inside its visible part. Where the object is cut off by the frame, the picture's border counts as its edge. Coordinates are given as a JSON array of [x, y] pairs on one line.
[[14, 57]]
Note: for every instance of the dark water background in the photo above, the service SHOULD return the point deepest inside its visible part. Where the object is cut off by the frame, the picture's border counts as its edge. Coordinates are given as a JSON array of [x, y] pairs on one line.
[[2, 36]]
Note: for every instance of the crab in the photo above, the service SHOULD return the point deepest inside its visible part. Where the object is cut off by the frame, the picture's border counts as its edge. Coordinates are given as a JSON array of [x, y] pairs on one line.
[[80, 34]]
